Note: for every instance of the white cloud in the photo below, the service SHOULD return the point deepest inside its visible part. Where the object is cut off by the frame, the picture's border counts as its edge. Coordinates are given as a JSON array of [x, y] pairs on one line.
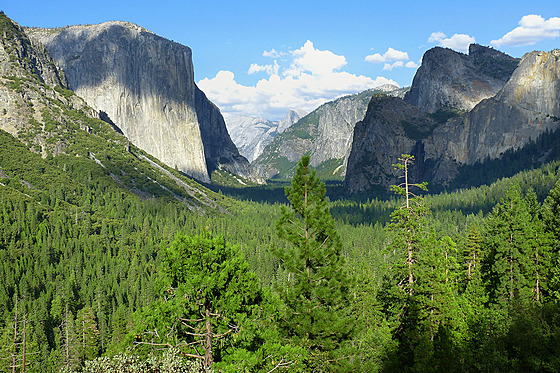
[[389, 66], [436, 37], [532, 28], [389, 56], [309, 78], [458, 42], [272, 53], [411, 65], [309, 59], [269, 69]]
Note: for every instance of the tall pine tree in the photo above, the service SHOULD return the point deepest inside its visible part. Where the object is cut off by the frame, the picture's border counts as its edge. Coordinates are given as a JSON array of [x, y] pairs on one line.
[[317, 293]]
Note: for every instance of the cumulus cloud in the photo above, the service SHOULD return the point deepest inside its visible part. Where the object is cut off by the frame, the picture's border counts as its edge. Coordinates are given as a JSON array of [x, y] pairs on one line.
[[458, 42], [532, 28], [306, 79], [411, 65], [389, 56]]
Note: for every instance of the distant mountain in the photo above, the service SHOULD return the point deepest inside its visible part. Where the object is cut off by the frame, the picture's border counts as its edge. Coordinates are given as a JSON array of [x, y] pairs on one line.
[[49, 135], [449, 80], [144, 84], [445, 144], [325, 133], [251, 134]]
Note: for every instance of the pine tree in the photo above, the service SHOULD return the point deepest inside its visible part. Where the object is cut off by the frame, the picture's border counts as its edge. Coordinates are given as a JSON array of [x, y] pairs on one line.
[[517, 249], [210, 296], [316, 295], [551, 219], [408, 224], [87, 334]]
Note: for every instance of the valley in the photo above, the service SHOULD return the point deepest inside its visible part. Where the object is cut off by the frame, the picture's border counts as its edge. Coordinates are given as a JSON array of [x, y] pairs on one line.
[[142, 230]]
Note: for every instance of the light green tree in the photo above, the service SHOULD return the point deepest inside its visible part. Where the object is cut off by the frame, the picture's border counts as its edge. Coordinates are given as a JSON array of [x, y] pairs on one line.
[[209, 297]]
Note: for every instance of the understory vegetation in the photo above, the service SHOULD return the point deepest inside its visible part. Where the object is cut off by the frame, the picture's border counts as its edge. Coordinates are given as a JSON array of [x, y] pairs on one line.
[[95, 278]]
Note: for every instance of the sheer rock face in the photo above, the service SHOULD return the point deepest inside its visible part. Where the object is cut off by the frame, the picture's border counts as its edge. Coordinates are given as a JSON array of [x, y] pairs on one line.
[[220, 151], [145, 84], [325, 133], [448, 80], [527, 106], [390, 128], [251, 135]]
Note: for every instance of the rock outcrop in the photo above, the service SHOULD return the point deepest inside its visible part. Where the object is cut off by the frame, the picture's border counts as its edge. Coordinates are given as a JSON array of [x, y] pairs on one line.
[[145, 85], [391, 127], [325, 133], [449, 80], [30, 83], [251, 135], [527, 106]]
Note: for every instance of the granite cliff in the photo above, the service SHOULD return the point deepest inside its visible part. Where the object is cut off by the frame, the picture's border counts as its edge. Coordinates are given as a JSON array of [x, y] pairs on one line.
[[251, 134], [38, 110], [449, 80], [144, 84], [325, 133], [527, 106]]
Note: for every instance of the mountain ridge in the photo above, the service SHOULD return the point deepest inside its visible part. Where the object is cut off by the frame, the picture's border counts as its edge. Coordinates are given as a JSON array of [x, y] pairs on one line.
[[252, 134], [526, 107], [325, 133]]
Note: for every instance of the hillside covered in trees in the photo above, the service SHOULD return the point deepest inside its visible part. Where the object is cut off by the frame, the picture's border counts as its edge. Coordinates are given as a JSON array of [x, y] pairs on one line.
[[462, 281]]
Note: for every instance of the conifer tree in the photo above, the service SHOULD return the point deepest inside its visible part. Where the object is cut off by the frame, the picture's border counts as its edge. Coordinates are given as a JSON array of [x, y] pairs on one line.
[[316, 295], [209, 297], [551, 219], [87, 334], [517, 249], [409, 230]]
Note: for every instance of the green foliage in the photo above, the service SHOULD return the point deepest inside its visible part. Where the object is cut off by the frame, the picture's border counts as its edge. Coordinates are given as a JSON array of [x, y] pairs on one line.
[[518, 249], [210, 295], [316, 292], [64, 92]]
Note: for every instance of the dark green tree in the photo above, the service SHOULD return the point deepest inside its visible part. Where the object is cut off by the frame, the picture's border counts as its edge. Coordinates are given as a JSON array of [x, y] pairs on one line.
[[518, 250], [317, 291], [551, 219]]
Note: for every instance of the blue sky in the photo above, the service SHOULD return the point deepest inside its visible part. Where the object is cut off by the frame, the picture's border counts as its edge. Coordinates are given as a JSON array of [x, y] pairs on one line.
[[262, 58]]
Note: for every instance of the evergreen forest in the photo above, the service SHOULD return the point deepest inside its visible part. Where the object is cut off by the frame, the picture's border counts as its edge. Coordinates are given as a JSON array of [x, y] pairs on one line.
[[96, 279]]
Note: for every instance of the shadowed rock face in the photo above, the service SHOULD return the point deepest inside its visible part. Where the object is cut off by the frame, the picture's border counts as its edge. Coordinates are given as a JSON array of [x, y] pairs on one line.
[[29, 78], [325, 133], [448, 80], [145, 85], [391, 127], [527, 106], [19, 56]]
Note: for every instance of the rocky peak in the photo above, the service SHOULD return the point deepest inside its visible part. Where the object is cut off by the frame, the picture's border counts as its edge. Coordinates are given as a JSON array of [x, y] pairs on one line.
[[390, 128], [535, 84], [291, 117], [252, 134], [22, 57], [449, 80], [527, 107], [325, 133]]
